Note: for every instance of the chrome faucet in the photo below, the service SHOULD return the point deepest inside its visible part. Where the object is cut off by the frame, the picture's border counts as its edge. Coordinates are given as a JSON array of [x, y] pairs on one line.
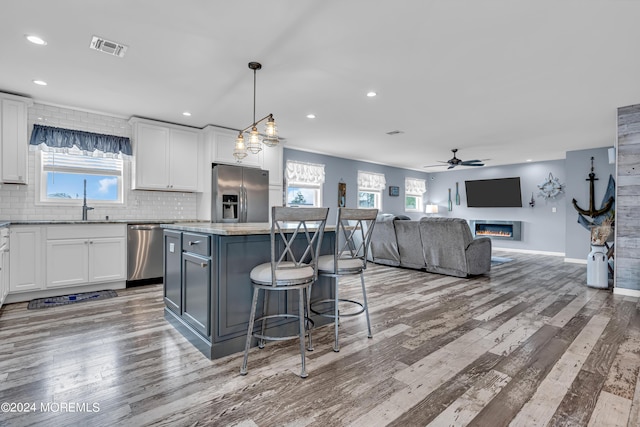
[[85, 208]]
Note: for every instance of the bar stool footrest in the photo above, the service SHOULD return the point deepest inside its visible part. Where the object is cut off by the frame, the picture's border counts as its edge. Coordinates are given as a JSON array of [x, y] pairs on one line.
[[343, 300]]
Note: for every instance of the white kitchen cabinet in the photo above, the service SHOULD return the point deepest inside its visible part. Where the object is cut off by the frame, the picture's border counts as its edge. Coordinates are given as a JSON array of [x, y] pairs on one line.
[[13, 138], [165, 156], [85, 254], [4, 264], [25, 259], [224, 142], [272, 161]]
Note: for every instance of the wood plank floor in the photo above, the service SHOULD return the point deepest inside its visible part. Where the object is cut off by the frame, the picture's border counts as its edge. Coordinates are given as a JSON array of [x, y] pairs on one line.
[[527, 345]]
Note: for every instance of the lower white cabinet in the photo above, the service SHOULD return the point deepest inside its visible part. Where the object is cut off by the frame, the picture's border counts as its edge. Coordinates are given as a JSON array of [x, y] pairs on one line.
[[25, 259], [85, 254], [4, 264], [58, 256]]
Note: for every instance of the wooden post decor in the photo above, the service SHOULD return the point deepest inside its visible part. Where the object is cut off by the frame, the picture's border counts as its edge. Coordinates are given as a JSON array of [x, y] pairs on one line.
[[342, 194]]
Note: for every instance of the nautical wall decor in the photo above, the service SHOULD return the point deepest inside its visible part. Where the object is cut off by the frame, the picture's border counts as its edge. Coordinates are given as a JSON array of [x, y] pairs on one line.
[[592, 211], [550, 187]]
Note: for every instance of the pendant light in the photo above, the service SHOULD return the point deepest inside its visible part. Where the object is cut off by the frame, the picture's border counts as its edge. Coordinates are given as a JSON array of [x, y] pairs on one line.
[[254, 144]]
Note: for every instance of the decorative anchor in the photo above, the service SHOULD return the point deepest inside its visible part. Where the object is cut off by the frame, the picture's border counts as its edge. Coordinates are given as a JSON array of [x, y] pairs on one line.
[[593, 212]]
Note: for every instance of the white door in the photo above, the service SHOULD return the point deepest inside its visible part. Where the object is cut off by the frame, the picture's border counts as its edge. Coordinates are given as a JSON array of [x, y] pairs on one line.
[[25, 259], [183, 160], [67, 262], [151, 157], [107, 260]]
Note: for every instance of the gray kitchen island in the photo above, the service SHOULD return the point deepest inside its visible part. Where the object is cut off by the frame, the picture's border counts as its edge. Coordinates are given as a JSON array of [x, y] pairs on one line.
[[207, 289]]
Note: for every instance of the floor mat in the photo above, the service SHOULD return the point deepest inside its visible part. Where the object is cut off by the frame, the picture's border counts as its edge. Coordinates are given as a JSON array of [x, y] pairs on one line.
[[70, 299], [497, 260]]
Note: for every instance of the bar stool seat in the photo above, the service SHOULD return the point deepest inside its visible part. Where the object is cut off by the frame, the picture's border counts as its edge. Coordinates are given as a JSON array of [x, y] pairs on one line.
[[353, 235], [261, 274], [296, 236]]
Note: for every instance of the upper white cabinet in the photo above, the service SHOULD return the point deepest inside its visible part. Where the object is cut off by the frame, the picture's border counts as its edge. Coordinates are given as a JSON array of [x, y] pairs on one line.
[[273, 163], [165, 156], [13, 138], [223, 142]]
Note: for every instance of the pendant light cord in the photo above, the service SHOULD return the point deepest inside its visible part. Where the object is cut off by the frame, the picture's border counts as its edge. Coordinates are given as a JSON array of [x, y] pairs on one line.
[[254, 97]]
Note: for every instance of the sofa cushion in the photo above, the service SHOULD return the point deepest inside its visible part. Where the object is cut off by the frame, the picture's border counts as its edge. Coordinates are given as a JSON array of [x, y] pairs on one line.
[[445, 243], [383, 248], [409, 244]]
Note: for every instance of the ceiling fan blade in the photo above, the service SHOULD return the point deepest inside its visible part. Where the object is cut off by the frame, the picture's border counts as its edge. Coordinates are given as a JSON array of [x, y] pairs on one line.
[[472, 164], [471, 161], [452, 166]]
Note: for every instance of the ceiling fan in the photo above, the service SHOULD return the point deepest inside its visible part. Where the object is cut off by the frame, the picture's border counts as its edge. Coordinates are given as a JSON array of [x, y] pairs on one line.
[[454, 161]]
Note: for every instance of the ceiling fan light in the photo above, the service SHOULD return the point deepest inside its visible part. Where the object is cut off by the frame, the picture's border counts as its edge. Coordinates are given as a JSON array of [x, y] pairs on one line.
[[254, 146]]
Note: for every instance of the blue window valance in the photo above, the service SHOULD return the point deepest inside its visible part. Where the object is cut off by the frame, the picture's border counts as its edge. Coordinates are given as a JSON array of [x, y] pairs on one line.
[[47, 138]]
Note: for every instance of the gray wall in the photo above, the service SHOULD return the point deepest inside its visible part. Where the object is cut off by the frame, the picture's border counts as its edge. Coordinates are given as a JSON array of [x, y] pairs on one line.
[[578, 238], [337, 169], [542, 229]]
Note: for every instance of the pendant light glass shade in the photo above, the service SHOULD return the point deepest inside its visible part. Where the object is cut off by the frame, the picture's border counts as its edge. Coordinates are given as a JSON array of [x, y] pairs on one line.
[[240, 151], [271, 131], [254, 145]]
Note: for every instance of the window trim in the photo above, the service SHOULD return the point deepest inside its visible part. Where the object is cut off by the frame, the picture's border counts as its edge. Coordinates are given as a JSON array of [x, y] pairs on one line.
[[41, 186], [316, 187], [304, 175], [377, 198], [371, 182], [414, 187]]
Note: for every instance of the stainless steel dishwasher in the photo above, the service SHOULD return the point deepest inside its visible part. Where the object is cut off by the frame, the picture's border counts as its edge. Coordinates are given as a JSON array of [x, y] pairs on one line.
[[144, 254]]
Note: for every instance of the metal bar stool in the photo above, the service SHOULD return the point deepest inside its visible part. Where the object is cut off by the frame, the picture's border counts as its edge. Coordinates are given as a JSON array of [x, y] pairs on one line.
[[296, 236], [353, 235]]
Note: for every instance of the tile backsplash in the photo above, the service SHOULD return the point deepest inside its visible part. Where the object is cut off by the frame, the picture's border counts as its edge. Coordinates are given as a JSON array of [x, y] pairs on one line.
[[18, 202]]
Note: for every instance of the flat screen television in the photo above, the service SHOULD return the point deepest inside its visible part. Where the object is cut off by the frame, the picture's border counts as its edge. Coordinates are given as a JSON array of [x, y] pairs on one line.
[[494, 193]]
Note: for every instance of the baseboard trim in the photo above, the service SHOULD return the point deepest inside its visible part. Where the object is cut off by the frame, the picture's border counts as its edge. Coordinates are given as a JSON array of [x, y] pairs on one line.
[[54, 292], [576, 260], [530, 251], [627, 292]]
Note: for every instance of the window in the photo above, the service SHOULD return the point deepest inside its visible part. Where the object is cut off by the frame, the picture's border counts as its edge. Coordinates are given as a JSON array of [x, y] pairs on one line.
[[63, 175], [414, 190], [304, 184], [370, 188]]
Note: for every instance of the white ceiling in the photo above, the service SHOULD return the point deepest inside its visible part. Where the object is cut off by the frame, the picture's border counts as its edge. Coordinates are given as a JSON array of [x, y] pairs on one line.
[[505, 80]]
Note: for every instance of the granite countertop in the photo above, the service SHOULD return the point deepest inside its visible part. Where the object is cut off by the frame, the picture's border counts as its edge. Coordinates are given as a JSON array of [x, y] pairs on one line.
[[227, 228], [222, 228]]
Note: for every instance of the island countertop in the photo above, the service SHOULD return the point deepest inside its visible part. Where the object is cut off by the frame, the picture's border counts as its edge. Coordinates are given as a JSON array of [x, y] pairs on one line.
[[221, 228], [227, 228]]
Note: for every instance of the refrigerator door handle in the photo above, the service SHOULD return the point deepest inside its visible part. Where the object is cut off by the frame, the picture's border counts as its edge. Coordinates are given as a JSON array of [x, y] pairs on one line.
[[243, 201]]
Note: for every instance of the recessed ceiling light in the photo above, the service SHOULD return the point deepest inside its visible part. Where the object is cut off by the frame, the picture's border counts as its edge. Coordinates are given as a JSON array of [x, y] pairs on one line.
[[186, 113], [371, 94], [36, 40], [40, 82], [311, 116]]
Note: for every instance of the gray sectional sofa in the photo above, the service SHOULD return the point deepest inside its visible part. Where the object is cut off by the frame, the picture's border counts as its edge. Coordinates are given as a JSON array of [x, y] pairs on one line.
[[437, 245]]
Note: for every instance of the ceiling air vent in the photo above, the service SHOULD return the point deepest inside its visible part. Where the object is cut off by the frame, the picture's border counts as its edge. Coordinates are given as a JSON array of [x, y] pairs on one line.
[[107, 46]]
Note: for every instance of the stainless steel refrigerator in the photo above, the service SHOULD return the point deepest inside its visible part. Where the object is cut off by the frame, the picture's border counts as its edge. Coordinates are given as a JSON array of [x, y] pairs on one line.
[[239, 194]]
